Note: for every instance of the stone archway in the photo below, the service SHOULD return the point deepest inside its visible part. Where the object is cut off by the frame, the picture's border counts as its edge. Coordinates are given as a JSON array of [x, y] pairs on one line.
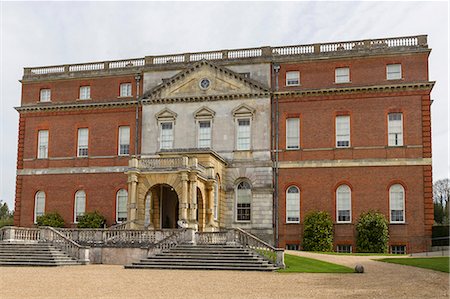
[[161, 207], [200, 210]]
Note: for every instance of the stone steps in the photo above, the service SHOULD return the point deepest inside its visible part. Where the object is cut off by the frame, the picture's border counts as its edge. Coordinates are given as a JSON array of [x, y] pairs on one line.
[[210, 257], [33, 254]]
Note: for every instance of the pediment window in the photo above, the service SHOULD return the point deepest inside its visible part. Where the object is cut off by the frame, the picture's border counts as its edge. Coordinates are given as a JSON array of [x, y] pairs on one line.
[[166, 115], [204, 113], [243, 111]]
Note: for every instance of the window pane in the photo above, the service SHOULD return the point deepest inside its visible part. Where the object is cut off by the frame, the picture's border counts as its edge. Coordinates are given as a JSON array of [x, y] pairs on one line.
[[39, 204], [395, 129], [292, 205], [244, 199], [292, 78], [243, 134], [122, 198], [124, 140], [83, 139], [43, 144], [292, 133], [343, 131], [397, 203], [166, 135], [125, 89], [394, 71], [45, 95], [85, 92], [80, 204], [343, 204], [342, 75], [204, 134]]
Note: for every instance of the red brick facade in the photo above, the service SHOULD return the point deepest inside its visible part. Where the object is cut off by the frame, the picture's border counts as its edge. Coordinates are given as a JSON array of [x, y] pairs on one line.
[[317, 168]]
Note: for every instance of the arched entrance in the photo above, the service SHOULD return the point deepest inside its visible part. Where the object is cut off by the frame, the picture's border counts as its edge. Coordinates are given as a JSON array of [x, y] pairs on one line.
[[162, 207], [200, 210]]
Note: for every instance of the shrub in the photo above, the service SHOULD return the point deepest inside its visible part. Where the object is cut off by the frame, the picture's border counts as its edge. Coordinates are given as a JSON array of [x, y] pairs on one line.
[[372, 234], [91, 220], [318, 232], [50, 219]]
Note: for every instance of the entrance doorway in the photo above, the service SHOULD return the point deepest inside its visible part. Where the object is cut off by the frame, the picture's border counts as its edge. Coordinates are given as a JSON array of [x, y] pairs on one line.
[[169, 207]]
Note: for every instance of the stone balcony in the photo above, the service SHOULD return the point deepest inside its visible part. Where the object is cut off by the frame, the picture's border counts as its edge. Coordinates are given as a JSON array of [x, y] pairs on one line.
[[249, 55]]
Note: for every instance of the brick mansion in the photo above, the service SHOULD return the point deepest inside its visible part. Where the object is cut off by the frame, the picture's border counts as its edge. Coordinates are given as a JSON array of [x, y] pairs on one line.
[[251, 138]]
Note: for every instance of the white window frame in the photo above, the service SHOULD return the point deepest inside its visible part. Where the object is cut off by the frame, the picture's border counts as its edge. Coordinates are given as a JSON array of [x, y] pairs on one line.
[[342, 136], [161, 135], [341, 192], [240, 145], [243, 208], [121, 195], [80, 195], [294, 206], [340, 248], [39, 204], [126, 90], [394, 71], [342, 75], [42, 151], [124, 142], [395, 130], [293, 78], [292, 142], [396, 249], [85, 92], [82, 147], [45, 95], [201, 141], [392, 192]]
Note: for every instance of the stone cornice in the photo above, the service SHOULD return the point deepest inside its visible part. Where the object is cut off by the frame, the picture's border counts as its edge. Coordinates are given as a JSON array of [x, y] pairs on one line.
[[358, 89], [222, 97], [74, 106]]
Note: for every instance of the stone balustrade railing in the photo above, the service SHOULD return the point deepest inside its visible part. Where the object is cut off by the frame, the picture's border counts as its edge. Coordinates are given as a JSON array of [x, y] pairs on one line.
[[179, 236], [271, 53], [116, 237], [173, 163]]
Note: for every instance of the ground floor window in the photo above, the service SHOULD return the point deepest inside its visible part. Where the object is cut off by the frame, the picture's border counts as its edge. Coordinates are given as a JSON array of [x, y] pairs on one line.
[[398, 249], [344, 248], [292, 246]]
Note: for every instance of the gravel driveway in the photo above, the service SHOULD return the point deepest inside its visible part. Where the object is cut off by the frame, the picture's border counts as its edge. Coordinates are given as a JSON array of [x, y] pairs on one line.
[[381, 280]]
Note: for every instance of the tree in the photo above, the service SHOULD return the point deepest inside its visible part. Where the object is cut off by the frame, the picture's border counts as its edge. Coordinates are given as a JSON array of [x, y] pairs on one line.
[[6, 216], [372, 233], [318, 232], [441, 198]]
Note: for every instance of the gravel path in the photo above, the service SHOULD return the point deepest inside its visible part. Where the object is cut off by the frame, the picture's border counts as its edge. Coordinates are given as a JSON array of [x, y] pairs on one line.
[[381, 280]]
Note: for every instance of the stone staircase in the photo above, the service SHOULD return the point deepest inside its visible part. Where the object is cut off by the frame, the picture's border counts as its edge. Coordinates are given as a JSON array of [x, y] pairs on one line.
[[33, 254], [205, 257]]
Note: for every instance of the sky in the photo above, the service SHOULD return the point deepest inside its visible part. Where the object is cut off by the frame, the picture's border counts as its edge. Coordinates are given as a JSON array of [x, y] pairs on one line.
[[52, 33]]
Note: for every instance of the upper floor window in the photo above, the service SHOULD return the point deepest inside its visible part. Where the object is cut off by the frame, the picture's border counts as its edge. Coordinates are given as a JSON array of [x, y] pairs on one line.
[[83, 141], [397, 203], [42, 144], [204, 134], [243, 134], [344, 204], [243, 201], [124, 141], [166, 135], [79, 205], [45, 95], [393, 71], [292, 205], [343, 131], [121, 206], [293, 78], [292, 133], [342, 75], [125, 90], [39, 204], [85, 92], [395, 129]]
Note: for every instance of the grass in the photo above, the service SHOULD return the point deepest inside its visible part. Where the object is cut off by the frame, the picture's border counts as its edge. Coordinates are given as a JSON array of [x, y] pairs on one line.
[[433, 263], [356, 253], [298, 264]]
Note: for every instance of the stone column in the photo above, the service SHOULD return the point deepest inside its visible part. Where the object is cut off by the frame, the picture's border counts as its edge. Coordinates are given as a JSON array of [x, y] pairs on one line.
[[132, 196], [184, 197], [193, 201], [210, 210], [149, 211]]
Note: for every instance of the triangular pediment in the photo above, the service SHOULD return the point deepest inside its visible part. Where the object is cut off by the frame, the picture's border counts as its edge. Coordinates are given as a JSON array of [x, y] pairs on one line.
[[205, 79], [204, 112], [166, 114], [243, 110]]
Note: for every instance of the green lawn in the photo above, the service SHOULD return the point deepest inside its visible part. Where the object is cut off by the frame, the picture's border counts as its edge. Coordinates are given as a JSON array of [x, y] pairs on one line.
[[433, 263], [356, 253], [298, 264]]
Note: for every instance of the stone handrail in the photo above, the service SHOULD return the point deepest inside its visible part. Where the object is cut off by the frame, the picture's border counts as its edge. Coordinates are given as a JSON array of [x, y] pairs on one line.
[[162, 163], [419, 41], [123, 225], [214, 238], [12, 233], [67, 245], [265, 250], [179, 236]]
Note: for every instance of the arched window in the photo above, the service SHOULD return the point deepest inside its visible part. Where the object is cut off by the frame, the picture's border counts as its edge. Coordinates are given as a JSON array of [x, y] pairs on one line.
[[80, 205], [216, 198], [344, 204], [39, 204], [121, 205], [292, 205], [397, 203], [243, 201]]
